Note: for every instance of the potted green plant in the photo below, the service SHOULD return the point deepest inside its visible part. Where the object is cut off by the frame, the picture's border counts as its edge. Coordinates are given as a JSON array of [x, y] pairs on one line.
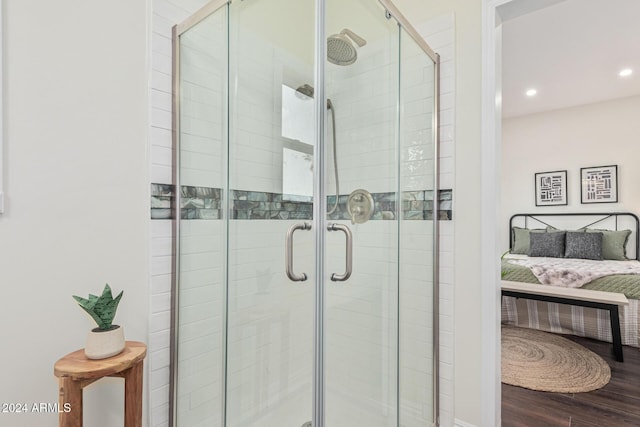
[[107, 339]]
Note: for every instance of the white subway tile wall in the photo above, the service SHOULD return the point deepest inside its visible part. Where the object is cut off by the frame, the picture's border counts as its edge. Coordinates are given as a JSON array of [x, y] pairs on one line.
[[364, 97], [159, 323], [203, 88], [284, 369], [200, 340]]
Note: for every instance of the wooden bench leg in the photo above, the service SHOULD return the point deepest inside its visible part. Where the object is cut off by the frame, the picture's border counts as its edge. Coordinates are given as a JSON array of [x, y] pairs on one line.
[[71, 396], [615, 332], [133, 396]]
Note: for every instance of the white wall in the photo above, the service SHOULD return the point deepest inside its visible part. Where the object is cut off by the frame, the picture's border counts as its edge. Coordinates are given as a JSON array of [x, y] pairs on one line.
[[77, 210], [598, 134]]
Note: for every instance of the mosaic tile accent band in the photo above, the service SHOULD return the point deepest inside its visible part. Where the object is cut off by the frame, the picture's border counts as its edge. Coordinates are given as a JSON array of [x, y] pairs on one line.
[[416, 205], [259, 205], [162, 200], [206, 203], [197, 202]]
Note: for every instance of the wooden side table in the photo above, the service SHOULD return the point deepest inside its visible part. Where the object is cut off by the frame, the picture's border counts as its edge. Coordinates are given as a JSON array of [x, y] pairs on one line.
[[75, 371]]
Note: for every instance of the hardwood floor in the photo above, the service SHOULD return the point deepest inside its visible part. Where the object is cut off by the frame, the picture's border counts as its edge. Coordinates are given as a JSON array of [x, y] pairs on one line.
[[615, 405]]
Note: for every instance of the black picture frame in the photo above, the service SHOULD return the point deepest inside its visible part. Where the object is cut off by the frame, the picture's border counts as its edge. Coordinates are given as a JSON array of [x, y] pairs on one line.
[[599, 184], [551, 188]]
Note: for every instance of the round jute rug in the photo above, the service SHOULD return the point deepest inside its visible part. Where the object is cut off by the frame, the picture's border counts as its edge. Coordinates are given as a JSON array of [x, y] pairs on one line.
[[547, 362]]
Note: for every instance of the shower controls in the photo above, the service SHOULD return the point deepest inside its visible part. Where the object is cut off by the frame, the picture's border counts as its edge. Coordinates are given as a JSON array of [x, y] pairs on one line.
[[288, 244], [348, 253], [360, 206]]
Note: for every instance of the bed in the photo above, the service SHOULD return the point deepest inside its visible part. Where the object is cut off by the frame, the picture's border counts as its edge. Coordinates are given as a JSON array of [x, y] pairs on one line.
[[602, 251]]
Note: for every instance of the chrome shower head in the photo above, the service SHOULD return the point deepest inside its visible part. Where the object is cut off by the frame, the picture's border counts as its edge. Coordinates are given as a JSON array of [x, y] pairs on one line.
[[340, 49]]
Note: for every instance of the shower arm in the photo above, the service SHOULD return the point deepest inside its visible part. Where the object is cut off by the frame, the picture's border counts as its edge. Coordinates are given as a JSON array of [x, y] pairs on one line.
[[353, 36]]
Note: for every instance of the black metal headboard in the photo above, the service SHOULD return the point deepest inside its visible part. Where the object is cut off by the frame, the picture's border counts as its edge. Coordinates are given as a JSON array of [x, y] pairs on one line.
[[608, 220]]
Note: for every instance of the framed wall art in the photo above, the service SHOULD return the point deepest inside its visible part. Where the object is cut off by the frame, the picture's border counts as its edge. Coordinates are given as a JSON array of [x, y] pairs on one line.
[[599, 184], [551, 188]]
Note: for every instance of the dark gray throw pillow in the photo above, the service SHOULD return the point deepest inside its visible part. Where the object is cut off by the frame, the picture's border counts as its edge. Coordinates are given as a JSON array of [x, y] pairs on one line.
[[583, 245], [547, 244]]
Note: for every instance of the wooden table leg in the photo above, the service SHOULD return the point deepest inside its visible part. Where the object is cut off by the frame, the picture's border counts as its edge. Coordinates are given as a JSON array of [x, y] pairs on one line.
[[133, 396], [71, 396]]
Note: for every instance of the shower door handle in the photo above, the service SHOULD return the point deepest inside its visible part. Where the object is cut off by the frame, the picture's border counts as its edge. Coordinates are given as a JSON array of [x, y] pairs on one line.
[[349, 252], [289, 252]]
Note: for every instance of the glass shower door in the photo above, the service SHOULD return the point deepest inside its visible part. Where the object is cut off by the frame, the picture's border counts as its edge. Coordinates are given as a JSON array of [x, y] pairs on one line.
[[361, 313], [296, 298], [269, 317], [380, 363]]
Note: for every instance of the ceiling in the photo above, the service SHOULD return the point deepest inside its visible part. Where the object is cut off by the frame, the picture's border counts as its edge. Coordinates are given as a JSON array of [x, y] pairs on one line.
[[570, 52]]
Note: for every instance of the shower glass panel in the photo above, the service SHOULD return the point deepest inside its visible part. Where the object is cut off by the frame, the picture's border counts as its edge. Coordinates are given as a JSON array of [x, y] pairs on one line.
[[361, 318], [305, 249], [201, 74], [417, 249], [270, 318]]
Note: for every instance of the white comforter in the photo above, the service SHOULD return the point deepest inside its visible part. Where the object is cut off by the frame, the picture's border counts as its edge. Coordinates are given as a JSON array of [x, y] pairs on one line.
[[573, 273]]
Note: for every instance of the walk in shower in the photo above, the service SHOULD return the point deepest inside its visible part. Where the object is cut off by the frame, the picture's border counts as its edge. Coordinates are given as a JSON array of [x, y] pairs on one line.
[[306, 283]]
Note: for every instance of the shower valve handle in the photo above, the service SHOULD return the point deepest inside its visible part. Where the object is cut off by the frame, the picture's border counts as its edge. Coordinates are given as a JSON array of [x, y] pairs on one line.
[[349, 252], [289, 251]]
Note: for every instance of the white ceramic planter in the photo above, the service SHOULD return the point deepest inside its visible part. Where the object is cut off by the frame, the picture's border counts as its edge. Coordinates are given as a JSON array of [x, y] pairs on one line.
[[103, 344]]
